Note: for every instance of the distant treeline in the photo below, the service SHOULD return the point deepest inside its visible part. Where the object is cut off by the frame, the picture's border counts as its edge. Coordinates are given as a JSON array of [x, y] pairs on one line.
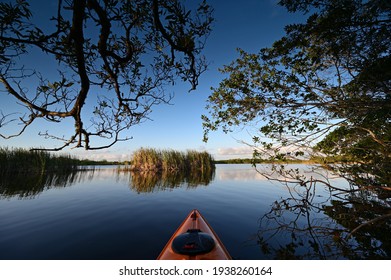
[[237, 161], [312, 160], [98, 162], [26, 161], [259, 161]]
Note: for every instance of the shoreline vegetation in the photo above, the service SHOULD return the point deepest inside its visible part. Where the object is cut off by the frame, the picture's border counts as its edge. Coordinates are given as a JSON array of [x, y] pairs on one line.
[[18, 160], [149, 159], [312, 160], [23, 161], [145, 159]]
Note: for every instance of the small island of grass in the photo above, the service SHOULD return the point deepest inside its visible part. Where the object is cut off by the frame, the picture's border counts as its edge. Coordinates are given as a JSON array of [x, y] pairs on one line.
[[148, 159]]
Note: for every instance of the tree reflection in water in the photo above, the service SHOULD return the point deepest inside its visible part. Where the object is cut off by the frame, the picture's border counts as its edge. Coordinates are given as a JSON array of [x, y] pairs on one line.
[[313, 221], [347, 224]]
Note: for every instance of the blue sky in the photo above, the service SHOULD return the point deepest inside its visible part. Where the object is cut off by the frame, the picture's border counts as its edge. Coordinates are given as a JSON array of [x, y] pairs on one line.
[[248, 24]]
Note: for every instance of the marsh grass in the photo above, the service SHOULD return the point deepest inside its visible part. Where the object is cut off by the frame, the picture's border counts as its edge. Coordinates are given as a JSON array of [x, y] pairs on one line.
[[23, 161], [148, 159]]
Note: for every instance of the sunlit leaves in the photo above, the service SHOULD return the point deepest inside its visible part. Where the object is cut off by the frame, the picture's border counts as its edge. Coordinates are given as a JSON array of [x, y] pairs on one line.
[[324, 76]]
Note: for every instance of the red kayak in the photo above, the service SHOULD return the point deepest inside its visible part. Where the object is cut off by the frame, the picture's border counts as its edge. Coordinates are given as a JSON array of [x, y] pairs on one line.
[[194, 240]]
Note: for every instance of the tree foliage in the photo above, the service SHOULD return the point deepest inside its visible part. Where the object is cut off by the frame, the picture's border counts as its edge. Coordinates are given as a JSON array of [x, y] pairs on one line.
[[129, 50], [324, 86]]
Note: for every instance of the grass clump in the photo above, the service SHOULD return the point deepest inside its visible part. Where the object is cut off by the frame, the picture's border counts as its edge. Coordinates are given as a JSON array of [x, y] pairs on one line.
[[19, 160], [148, 159]]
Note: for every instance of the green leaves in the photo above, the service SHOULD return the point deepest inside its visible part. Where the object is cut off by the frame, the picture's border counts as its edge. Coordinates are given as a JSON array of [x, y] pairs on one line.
[[14, 13], [328, 76]]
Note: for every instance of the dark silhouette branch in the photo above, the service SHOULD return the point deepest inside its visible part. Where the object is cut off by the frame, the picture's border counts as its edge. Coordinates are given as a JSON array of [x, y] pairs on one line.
[[130, 62], [368, 223]]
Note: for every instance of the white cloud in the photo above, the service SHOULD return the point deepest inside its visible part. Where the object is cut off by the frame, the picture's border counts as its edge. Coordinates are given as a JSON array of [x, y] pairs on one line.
[[234, 152], [103, 155]]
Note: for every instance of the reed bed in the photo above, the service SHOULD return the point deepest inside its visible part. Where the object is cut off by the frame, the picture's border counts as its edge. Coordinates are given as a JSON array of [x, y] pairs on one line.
[[19, 160], [148, 159]]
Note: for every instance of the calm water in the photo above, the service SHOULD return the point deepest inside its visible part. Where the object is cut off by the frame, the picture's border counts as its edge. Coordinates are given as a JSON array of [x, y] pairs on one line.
[[103, 214]]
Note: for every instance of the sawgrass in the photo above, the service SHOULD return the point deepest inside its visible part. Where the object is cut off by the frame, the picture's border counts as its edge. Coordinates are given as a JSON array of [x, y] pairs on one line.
[[17, 160], [149, 159]]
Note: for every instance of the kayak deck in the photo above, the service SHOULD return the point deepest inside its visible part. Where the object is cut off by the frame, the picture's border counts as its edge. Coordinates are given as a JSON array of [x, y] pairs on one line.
[[194, 240]]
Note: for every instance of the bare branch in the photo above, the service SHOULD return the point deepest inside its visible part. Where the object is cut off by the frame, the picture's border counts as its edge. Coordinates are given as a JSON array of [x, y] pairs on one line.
[[370, 222], [130, 62]]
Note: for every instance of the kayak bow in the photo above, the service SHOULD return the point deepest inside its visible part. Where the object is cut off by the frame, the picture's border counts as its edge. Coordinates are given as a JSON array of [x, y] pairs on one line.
[[194, 240]]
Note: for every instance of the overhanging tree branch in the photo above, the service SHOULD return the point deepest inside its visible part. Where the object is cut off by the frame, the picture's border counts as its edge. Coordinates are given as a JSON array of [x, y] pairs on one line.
[[329, 74], [131, 63]]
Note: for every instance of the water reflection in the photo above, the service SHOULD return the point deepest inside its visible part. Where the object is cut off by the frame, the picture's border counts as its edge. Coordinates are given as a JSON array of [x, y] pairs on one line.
[[306, 225], [30, 185], [296, 221], [238, 172], [25, 186], [146, 182], [366, 216]]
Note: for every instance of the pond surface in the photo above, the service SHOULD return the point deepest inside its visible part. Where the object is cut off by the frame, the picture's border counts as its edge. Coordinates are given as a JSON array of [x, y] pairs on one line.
[[107, 214]]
